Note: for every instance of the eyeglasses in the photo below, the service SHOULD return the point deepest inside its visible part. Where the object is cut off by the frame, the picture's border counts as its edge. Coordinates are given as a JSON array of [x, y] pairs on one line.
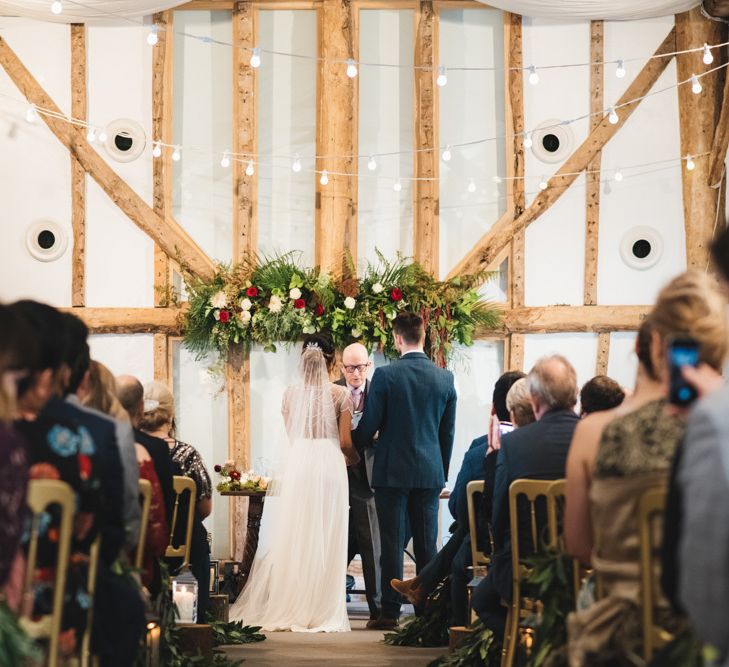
[[351, 369]]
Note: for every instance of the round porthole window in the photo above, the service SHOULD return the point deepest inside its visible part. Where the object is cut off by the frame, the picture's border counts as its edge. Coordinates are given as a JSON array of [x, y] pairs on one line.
[[552, 141], [125, 140], [46, 240], [641, 247]]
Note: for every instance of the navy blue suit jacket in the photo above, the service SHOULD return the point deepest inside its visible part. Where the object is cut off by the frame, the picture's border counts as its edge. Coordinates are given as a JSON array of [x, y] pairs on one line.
[[471, 470], [412, 403]]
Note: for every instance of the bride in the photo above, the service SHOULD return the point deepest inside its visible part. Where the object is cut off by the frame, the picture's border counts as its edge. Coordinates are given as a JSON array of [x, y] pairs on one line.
[[297, 579]]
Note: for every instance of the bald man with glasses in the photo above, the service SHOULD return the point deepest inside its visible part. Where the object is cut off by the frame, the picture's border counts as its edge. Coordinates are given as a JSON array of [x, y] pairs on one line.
[[364, 533]]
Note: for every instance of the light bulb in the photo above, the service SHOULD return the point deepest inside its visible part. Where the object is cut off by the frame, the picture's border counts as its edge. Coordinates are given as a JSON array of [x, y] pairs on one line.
[[91, 135], [543, 184], [249, 169], [157, 149], [695, 85], [31, 115], [102, 136], [528, 140], [618, 176], [225, 161], [497, 179], [533, 76], [471, 186], [296, 164], [620, 69], [372, 163], [708, 57], [324, 177], [153, 37], [256, 57], [176, 154], [613, 116], [690, 164], [442, 79], [446, 155], [57, 7], [397, 187], [351, 69]]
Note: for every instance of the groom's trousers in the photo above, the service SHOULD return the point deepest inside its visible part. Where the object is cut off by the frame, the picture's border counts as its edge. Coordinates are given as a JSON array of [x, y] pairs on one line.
[[420, 506]]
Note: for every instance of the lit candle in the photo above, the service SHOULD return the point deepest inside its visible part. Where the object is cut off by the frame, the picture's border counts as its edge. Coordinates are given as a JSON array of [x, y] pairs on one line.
[[185, 601]]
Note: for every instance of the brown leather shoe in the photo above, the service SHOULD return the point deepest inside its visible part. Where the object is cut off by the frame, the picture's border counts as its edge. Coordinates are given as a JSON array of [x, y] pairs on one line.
[[410, 589], [383, 623]]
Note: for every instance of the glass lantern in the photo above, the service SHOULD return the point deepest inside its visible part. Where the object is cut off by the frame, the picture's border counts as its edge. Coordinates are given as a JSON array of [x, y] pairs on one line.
[[184, 596]]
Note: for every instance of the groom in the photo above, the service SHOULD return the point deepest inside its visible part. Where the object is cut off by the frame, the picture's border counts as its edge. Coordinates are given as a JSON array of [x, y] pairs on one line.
[[412, 403]]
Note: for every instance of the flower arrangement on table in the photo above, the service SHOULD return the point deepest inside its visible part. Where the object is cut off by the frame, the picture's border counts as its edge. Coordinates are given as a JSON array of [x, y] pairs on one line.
[[268, 301], [232, 479]]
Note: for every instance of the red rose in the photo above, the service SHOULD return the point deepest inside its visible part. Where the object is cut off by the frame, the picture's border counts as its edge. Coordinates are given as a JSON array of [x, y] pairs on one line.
[[396, 294], [299, 303], [235, 475], [84, 464], [252, 291], [224, 316], [319, 310], [217, 468]]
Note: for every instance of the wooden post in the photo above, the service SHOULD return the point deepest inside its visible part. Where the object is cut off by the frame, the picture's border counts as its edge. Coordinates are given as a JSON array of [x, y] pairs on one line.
[[161, 344], [78, 175], [336, 218], [720, 144], [426, 241], [603, 353], [516, 352], [592, 190], [238, 380]]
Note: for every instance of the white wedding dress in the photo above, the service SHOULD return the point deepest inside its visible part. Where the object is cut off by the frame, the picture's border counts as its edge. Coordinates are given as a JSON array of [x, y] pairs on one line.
[[297, 581]]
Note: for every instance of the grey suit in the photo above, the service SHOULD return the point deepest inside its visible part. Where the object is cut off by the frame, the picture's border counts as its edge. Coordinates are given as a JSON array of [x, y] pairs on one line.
[[364, 532], [703, 476]]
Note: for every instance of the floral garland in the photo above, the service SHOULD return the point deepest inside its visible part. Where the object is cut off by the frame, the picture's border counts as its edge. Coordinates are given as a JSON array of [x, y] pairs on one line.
[[232, 479], [272, 301]]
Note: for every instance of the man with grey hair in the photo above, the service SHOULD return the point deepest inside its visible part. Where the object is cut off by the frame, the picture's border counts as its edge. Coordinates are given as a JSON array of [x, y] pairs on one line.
[[535, 451]]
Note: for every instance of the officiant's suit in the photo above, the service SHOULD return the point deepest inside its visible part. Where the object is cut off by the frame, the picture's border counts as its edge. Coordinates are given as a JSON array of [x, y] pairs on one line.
[[412, 403], [364, 532]]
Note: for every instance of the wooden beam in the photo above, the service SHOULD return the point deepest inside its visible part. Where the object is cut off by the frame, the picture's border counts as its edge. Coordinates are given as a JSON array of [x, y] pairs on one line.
[[603, 353], [426, 225], [165, 231], [500, 235], [162, 170], [720, 144], [245, 188], [563, 319], [516, 352], [79, 109], [336, 218], [161, 344], [698, 115], [238, 379], [130, 320], [592, 185]]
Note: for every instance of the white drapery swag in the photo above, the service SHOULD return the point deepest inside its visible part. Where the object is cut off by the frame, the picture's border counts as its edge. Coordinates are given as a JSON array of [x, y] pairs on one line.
[[616, 10], [86, 11]]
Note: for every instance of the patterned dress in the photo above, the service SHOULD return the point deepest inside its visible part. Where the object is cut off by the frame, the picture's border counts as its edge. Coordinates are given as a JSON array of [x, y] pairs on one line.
[[13, 485]]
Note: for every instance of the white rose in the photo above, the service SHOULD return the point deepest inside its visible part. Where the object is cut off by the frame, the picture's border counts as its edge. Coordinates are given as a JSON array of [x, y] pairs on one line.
[[308, 329], [377, 288], [391, 315], [350, 303], [245, 317], [246, 304], [295, 293], [275, 304], [356, 333], [219, 300], [216, 315]]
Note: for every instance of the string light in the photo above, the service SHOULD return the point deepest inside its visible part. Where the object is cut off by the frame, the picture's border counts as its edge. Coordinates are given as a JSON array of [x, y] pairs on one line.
[[695, 85], [446, 155], [102, 137], [249, 169], [324, 180], [690, 164], [397, 187], [533, 76], [256, 57], [91, 135], [351, 69], [372, 163], [157, 149], [31, 115], [618, 176], [613, 116], [543, 184], [296, 164], [471, 186], [57, 7], [528, 140], [442, 79], [708, 55], [620, 69], [176, 154], [153, 37], [225, 161]]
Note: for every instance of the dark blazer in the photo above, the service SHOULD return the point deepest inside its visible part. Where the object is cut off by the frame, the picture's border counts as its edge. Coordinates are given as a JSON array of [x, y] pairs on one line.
[[471, 470], [412, 403], [361, 473], [159, 452]]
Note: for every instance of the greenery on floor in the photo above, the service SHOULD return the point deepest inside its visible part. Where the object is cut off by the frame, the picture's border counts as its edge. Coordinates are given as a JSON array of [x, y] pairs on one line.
[[479, 649], [234, 632], [16, 648], [430, 629]]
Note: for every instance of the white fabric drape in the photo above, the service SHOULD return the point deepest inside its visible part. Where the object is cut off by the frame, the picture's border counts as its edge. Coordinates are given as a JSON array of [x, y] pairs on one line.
[[616, 10], [86, 11]]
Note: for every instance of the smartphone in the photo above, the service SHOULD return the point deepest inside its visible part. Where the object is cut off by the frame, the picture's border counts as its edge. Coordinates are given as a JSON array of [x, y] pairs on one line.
[[682, 351], [505, 428]]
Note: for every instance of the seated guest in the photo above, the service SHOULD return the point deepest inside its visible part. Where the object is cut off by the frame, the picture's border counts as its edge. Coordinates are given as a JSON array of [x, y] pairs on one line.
[[616, 456], [519, 404], [537, 451], [159, 420], [500, 421], [600, 393], [102, 397]]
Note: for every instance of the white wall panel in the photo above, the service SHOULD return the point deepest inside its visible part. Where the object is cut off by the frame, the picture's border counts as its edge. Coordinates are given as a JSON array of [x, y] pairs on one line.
[[623, 362], [131, 354], [579, 348]]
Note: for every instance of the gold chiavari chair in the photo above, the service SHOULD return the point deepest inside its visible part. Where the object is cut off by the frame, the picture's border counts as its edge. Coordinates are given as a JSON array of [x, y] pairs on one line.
[[41, 495], [145, 493], [87, 659], [556, 502], [181, 485], [480, 560]]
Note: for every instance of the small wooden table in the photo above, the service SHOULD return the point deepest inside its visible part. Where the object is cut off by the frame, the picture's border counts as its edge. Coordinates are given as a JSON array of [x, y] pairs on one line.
[[255, 510]]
